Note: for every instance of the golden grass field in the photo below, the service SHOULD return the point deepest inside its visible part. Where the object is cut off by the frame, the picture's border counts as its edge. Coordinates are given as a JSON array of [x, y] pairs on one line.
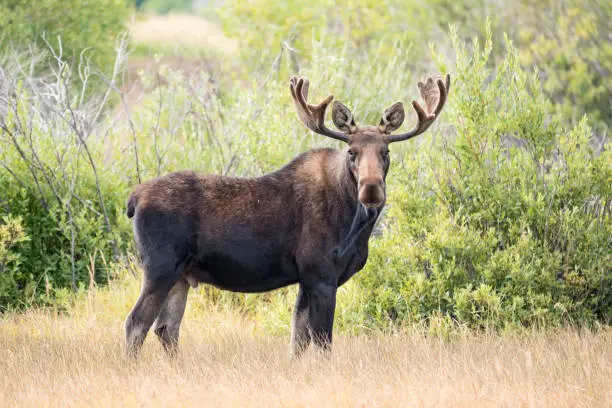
[[76, 359]]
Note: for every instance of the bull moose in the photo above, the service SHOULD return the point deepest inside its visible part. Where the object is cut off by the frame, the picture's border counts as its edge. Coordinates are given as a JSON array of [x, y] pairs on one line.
[[307, 223]]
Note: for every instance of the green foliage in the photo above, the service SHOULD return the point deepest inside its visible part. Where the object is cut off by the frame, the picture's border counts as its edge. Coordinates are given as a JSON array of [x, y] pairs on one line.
[[264, 28], [508, 222], [11, 235], [568, 47], [48, 180], [164, 6], [167, 6], [565, 40], [88, 31]]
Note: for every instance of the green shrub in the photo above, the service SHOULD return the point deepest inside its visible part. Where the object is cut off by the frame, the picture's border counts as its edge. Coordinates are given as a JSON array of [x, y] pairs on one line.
[[86, 30], [52, 175], [506, 222], [167, 6], [11, 235], [568, 47], [266, 29], [564, 40]]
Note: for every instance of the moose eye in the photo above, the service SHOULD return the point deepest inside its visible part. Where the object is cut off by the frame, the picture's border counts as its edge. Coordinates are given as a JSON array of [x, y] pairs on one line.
[[385, 153], [352, 154]]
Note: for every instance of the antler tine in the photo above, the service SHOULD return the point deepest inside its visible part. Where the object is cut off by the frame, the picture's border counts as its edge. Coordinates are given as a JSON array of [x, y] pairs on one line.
[[305, 89], [312, 116], [434, 96]]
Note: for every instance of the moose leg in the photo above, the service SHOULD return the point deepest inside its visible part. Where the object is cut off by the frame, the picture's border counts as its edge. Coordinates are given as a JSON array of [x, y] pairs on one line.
[[322, 306], [145, 311], [168, 322], [300, 334]]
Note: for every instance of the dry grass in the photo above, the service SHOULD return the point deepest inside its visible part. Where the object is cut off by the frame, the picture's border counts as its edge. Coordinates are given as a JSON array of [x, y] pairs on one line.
[[48, 360]]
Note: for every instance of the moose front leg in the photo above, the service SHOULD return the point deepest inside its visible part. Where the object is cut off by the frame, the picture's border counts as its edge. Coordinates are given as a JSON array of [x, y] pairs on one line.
[[321, 308]]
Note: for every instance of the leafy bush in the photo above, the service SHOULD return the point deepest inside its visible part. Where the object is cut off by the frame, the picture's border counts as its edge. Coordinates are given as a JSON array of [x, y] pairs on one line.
[[51, 175], [506, 223], [568, 47], [295, 27], [87, 31], [11, 235], [166, 6]]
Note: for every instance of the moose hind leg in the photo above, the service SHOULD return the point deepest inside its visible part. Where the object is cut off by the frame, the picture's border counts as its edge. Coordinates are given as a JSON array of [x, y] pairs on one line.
[[143, 314], [168, 322], [300, 331], [160, 275]]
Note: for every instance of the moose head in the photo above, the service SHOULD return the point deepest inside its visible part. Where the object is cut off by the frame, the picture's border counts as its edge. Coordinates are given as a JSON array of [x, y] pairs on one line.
[[368, 146]]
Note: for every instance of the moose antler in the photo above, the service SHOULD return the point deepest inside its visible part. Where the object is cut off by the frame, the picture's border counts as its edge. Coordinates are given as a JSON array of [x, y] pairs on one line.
[[312, 116], [434, 95]]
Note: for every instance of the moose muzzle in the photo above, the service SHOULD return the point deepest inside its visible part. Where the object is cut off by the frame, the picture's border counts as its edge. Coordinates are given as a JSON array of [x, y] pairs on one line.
[[372, 192]]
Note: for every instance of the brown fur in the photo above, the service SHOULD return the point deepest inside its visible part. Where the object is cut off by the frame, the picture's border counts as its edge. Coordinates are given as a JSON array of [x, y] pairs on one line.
[[307, 223], [245, 234]]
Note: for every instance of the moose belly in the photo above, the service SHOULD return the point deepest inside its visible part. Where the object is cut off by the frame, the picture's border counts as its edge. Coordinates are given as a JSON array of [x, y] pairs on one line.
[[240, 271]]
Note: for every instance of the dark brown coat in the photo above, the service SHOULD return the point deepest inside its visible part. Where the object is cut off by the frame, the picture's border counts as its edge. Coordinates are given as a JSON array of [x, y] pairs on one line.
[[307, 223]]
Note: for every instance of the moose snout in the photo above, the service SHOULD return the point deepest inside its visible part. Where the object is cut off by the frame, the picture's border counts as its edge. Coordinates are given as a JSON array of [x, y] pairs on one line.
[[372, 192]]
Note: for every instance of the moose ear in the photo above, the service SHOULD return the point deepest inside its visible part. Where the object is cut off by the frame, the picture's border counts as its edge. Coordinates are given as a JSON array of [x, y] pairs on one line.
[[392, 118], [343, 118]]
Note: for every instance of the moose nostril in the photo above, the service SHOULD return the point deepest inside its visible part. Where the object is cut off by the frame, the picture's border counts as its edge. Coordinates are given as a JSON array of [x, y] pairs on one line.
[[371, 194]]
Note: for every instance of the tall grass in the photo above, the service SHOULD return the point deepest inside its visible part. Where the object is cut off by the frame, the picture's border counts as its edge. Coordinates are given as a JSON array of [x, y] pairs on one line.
[[77, 359]]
